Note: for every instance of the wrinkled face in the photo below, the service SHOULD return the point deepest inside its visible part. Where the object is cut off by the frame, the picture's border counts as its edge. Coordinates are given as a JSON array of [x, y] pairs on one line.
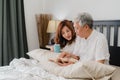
[[80, 31], [66, 33]]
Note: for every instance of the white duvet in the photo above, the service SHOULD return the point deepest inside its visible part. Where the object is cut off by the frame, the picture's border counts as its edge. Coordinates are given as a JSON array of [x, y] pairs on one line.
[[25, 69]]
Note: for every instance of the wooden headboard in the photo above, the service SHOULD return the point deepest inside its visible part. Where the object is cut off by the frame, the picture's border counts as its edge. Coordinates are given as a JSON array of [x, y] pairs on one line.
[[111, 28]]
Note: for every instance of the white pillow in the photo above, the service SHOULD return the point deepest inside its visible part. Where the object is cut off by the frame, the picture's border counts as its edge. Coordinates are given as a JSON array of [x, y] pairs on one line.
[[78, 70]]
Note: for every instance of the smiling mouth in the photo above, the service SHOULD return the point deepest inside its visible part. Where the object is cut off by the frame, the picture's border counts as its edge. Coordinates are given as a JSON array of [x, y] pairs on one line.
[[68, 37]]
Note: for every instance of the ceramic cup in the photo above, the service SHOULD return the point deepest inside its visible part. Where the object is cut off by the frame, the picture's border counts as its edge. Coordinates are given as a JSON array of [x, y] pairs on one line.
[[57, 48]]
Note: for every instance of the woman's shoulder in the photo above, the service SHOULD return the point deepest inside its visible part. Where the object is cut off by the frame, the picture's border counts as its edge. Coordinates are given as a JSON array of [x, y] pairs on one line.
[[69, 47]]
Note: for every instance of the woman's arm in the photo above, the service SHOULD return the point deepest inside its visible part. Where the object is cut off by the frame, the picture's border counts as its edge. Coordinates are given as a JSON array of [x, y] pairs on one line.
[[68, 55], [51, 48], [101, 61]]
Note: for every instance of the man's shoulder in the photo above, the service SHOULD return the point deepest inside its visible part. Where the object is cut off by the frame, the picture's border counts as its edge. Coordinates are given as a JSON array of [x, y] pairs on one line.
[[99, 34]]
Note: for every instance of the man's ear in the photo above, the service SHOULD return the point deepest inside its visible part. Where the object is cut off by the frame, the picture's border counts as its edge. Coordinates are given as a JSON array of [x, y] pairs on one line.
[[86, 27]]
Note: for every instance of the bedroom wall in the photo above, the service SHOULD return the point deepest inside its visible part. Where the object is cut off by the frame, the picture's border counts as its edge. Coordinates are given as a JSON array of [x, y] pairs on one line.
[[100, 9], [32, 7], [67, 9]]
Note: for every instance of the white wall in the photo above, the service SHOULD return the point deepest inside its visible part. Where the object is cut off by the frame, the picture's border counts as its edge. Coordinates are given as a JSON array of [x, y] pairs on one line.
[[32, 7], [67, 9], [100, 9]]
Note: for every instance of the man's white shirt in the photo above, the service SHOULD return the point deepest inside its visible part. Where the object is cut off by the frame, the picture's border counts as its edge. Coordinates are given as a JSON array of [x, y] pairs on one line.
[[94, 48]]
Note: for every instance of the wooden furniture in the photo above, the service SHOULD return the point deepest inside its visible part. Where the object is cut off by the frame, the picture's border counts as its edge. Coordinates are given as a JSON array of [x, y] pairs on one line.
[[111, 28]]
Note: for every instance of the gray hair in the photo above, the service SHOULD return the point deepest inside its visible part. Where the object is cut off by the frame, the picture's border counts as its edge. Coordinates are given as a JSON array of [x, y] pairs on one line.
[[83, 19]]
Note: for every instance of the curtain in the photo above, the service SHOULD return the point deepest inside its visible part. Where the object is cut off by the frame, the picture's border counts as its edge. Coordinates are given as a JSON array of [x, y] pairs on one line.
[[42, 23], [13, 42]]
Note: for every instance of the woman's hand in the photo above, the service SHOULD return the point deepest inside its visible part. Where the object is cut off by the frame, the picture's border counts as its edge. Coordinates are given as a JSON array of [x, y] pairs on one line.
[[51, 48], [64, 63], [68, 55], [64, 54]]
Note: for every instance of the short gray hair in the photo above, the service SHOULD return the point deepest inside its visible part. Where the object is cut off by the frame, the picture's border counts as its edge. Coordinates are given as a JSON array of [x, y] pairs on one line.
[[83, 19]]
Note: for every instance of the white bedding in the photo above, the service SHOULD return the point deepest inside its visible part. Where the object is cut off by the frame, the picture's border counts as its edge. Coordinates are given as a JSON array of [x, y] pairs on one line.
[[30, 69], [79, 70], [25, 69]]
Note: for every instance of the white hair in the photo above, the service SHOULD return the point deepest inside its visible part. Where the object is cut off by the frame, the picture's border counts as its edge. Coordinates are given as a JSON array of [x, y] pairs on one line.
[[83, 19]]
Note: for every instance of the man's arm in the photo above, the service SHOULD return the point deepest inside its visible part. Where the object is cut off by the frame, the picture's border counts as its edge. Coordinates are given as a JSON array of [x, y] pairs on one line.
[[75, 57]]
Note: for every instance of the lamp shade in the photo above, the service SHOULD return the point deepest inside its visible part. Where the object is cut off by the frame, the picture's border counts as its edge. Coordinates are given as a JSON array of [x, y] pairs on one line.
[[52, 26]]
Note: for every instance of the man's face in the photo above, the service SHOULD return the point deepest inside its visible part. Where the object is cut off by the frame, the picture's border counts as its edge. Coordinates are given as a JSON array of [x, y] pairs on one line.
[[80, 30]]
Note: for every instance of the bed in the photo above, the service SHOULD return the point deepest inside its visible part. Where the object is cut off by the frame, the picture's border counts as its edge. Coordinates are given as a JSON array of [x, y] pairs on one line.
[[111, 28], [31, 69]]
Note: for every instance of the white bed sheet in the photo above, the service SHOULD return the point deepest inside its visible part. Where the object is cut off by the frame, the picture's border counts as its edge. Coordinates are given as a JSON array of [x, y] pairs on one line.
[[25, 69], [29, 69]]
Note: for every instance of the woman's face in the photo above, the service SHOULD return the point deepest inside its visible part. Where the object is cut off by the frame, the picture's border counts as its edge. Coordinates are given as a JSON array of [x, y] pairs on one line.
[[66, 33]]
